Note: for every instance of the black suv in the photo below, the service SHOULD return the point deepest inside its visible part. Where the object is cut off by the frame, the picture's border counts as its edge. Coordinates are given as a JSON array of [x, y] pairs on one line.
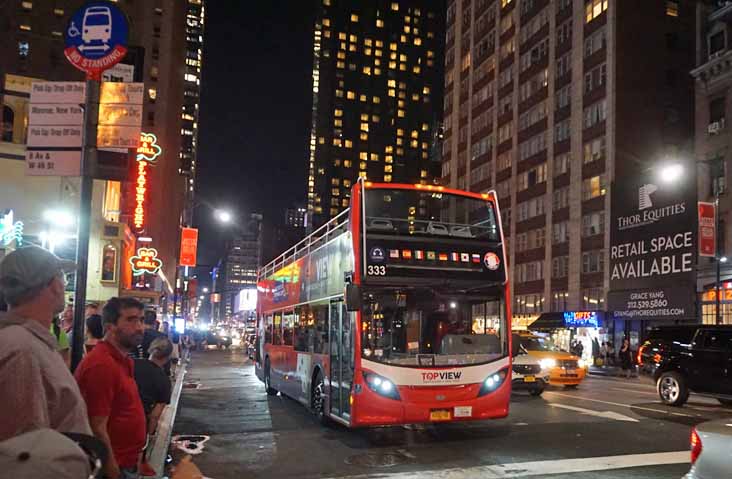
[[690, 358]]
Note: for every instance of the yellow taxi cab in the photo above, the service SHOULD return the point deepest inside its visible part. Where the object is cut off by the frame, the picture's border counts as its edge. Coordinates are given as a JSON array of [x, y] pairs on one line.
[[565, 369]]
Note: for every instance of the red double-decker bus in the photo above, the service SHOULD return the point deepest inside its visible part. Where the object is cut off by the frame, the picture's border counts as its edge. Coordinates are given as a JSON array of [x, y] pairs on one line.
[[394, 312]]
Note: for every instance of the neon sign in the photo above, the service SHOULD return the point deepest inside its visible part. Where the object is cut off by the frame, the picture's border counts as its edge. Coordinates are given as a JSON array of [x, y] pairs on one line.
[[146, 261], [147, 154], [581, 319], [149, 149], [10, 231], [140, 194]]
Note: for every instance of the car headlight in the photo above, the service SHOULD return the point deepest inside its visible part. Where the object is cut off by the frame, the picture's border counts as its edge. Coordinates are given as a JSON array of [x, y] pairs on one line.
[[381, 386], [582, 363], [492, 382], [548, 363]]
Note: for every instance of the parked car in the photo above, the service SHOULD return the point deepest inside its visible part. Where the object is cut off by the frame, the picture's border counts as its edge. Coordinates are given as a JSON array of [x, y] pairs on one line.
[[710, 451], [528, 374], [565, 369], [689, 359]]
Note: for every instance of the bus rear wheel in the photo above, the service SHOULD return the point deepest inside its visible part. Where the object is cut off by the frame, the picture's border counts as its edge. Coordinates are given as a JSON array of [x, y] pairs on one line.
[[268, 380], [318, 399]]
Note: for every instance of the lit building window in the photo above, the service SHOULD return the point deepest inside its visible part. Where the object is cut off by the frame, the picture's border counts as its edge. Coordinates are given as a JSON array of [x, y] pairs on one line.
[[326, 22], [418, 41], [152, 93], [350, 95], [27, 5], [395, 6], [25, 28], [379, 23], [387, 178], [354, 17], [59, 12]]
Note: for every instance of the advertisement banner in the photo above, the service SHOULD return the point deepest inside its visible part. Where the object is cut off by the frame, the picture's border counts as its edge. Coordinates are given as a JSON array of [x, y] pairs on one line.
[[653, 241], [707, 230], [188, 246]]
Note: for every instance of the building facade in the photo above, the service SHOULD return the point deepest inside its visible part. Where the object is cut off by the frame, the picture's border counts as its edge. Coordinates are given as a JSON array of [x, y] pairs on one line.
[[713, 147], [549, 103], [239, 267], [31, 50], [376, 74]]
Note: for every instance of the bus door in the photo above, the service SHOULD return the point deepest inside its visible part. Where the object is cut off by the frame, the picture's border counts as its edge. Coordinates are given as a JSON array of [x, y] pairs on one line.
[[341, 364]]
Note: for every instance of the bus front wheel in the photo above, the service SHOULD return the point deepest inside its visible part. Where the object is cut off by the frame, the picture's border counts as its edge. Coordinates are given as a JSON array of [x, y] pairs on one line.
[[267, 379]]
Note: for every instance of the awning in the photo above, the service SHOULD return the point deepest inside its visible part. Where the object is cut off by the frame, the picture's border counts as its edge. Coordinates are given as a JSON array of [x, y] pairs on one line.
[[548, 321]]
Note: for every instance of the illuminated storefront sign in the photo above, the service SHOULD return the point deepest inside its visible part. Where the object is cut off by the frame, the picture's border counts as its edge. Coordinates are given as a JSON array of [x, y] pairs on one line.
[[10, 230], [147, 154], [146, 261], [149, 150], [188, 247], [581, 319]]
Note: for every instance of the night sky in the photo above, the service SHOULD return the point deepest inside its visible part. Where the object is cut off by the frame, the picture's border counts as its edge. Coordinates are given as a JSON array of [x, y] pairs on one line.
[[255, 112]]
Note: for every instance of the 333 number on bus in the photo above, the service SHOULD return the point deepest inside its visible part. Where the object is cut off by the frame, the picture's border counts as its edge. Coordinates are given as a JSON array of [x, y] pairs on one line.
[[376, 270]]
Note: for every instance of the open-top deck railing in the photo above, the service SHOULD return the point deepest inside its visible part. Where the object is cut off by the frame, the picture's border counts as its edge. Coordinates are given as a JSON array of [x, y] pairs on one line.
[[335, 227]]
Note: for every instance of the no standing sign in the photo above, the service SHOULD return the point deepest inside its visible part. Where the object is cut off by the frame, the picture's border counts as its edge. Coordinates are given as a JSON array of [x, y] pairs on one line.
[[96, 38]]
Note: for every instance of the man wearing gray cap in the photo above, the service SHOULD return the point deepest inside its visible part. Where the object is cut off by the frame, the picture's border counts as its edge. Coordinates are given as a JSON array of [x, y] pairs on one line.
[[38, 390]]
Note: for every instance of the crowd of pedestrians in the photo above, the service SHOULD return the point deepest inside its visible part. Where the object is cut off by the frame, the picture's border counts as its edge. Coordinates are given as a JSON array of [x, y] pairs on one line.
[[107, 410]]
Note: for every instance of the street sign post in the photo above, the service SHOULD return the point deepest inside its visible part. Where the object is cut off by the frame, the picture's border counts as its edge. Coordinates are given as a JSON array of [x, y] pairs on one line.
[[96, 40]]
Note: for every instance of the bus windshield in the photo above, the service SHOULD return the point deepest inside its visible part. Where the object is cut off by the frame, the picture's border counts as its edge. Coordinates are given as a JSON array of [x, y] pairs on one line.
[[414, 212], [420, 327]]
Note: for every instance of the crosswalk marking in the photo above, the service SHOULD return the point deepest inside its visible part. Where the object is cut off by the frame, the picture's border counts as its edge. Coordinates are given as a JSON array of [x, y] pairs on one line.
[[541, 468], [579, 398], [604, 414]]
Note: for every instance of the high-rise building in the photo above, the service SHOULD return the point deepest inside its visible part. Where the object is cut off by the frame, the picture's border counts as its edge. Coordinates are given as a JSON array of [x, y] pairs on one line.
[[376, 75], [164, 40], [548, 102], [195, 14], [296, 217], [713, 80], [239, 266]]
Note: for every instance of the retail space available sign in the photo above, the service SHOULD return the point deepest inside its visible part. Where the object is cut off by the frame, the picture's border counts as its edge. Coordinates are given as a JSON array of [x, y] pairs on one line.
[[96, 38], [145, 261], [653, 241]]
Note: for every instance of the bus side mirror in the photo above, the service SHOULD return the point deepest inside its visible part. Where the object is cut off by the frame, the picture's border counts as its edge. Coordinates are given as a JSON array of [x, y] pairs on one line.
[[515, 345], [353, 297]]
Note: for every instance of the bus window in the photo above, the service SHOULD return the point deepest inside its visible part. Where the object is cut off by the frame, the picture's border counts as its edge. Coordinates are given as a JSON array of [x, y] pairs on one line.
[[303, 316], [319, 330], [277, 331], [268, 329], [288, 320]]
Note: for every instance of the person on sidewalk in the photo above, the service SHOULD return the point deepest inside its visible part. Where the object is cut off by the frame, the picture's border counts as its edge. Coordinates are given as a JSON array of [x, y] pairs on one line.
[[626, 358], [38, 390], [107, 382], [64, 348], [151, 334], [94, 332], [155, 389]]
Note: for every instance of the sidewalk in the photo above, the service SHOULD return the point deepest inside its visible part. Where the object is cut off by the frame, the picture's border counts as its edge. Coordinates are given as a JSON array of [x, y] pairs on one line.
[[159, 451]]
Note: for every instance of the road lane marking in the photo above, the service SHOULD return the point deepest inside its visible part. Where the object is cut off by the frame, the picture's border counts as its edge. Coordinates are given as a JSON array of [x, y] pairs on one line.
[[580, 398], [541, 468], [604, 414], [635, 391]]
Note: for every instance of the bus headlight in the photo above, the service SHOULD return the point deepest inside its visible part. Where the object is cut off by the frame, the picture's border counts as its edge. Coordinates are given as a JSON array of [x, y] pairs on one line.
[[548, 363], [492, 382], [381, 386]]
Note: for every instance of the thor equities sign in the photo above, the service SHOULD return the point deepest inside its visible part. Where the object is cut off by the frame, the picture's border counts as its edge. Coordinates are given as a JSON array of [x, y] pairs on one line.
[[653, 248]]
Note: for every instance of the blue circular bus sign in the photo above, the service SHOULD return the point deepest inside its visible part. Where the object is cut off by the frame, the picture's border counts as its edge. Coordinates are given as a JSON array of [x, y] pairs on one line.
[[96, 38]]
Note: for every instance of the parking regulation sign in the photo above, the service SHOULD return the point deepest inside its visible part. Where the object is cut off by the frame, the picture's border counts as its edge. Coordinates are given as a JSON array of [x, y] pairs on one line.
[[96, 38]]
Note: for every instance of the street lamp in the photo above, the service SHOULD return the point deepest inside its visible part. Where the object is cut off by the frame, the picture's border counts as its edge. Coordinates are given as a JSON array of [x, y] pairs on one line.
[[205, 290], [671, 173], [223, 216], [61, 218]]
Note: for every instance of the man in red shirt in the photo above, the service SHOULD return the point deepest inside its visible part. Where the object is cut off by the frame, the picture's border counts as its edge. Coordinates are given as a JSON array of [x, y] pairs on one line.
[[107, 382]]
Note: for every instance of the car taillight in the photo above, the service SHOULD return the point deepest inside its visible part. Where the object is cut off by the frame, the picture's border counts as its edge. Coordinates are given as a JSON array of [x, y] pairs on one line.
[[696, 445], [639, 359]]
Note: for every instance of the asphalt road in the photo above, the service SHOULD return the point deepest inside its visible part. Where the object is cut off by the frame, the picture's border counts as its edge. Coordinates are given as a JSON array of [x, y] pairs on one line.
[[607, 428]]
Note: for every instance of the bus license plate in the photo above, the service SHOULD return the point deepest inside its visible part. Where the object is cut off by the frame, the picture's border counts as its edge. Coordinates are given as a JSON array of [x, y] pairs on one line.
[[529, 379], [440, 415]]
